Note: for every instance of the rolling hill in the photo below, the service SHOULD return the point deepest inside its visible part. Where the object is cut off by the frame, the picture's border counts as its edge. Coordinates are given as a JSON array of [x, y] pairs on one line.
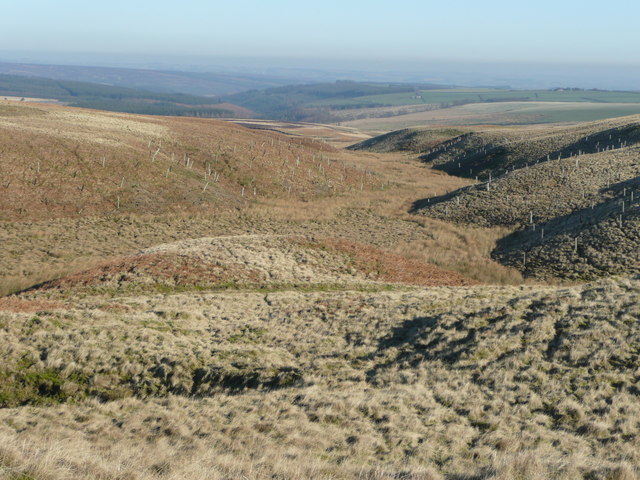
[[159, 81], [113, 98], [58, 162], [571, 193], [411, 140]]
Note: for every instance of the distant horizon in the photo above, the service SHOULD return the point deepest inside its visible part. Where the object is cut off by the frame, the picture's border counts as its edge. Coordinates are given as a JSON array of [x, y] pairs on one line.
[[517, 75], [489, 31]]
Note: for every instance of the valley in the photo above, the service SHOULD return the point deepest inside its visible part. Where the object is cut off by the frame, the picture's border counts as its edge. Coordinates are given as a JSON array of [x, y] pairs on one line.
[[252, 299]]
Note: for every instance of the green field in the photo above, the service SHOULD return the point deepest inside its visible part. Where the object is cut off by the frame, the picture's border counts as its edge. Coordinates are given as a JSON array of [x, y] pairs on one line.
[[461, 96], [501, 113]]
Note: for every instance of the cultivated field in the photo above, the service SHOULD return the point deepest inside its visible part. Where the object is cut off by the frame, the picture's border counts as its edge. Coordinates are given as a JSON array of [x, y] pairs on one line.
[[453, 96]]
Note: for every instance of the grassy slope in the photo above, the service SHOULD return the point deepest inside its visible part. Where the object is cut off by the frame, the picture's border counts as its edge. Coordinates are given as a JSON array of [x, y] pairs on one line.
[[495, 383], [59, 162], [587, 243], [362, 197], [258, 262], [498, 150], [542, 191], [414, 140], [554, 185]]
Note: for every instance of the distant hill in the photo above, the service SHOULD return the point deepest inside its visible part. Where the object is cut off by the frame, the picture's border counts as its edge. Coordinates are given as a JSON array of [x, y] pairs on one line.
[[299, 102], [115, 99], [159, 81]]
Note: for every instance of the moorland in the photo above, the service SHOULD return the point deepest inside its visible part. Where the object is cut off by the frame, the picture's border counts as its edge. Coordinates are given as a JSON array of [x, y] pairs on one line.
[[194, 298]]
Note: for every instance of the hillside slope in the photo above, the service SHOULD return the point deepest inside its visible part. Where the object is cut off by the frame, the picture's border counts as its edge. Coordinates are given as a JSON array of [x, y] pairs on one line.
[[497, 151], [578, 191], [585, 244], [413, 140], [542, 191], [57, 161]]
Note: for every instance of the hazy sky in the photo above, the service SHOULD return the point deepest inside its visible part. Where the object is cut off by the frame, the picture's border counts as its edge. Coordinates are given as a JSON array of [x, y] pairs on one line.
[[517, 30]]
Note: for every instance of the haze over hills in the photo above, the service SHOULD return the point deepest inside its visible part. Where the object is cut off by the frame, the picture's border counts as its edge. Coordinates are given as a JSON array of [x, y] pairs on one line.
[[370, 106], [516, 73], [160, 81], [375, 105]]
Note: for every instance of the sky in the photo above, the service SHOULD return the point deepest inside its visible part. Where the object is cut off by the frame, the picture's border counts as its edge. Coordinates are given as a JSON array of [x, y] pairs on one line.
[[560, 31]]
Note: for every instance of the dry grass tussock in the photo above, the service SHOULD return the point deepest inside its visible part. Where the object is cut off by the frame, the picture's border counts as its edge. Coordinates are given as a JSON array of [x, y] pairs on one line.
[[36, 252], [458, 383]]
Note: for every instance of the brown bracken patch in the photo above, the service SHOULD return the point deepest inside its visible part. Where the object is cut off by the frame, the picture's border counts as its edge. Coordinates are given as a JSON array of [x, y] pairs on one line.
[[164, 268], [20, 305], [385, 266]]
